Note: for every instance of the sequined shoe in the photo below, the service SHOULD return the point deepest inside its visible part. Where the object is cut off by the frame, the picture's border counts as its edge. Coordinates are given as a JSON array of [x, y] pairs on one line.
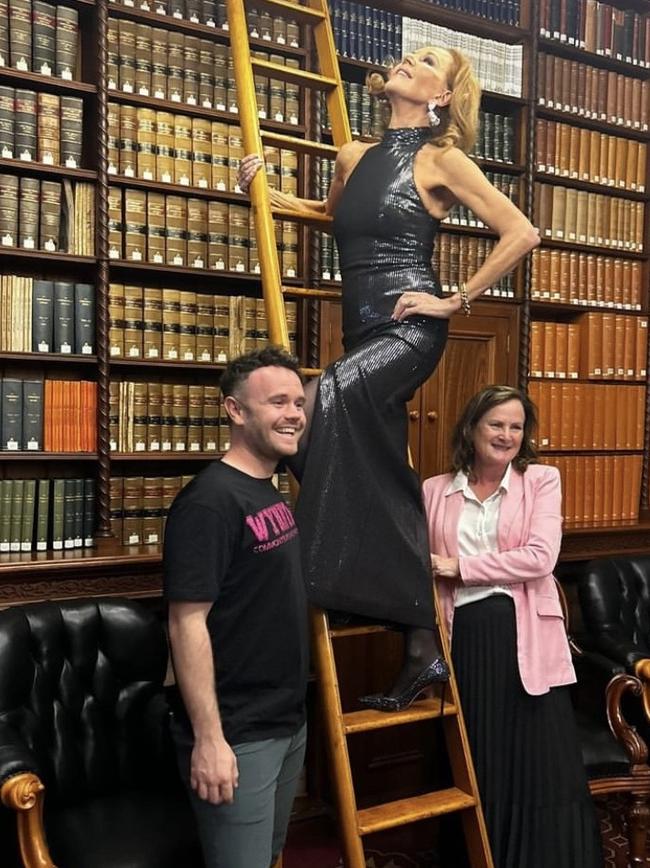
[[436, 671]]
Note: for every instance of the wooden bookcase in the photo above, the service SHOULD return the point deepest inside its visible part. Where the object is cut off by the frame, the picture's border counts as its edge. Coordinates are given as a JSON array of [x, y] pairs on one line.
[[493, 345]]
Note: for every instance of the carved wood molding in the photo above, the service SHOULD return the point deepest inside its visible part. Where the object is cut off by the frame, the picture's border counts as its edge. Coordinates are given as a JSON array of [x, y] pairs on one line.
[[23, 793], [141, 585], [582, 548]]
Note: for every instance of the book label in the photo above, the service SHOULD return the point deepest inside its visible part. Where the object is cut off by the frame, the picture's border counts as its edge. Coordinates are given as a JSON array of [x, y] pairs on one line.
[[45, 69]]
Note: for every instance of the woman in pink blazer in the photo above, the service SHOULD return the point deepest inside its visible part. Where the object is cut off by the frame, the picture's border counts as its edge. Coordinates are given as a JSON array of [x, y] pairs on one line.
[[495, 527]]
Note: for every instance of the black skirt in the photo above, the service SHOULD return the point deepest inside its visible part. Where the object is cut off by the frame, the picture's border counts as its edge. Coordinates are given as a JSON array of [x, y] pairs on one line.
[[533, 786]]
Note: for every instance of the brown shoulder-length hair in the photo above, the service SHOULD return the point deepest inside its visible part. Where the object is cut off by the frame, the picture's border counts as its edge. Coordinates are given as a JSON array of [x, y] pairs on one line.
[[462, 438]]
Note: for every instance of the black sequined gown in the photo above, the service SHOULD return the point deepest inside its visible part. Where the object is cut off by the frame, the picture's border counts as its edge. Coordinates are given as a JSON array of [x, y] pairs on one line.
[[360, 513]]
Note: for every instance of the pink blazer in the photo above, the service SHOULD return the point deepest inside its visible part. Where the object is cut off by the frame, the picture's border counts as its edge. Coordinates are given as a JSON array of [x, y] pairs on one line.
[[529, 535]]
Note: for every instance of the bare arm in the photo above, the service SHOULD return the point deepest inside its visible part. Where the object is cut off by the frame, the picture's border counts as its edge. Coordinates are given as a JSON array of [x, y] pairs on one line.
[[213, 768]]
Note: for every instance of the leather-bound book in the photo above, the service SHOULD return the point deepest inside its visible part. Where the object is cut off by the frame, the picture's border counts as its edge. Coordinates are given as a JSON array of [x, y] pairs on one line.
[[235, 154], [135, 218], [25, 130], [180, 413], [84, 316], [221, 328], [220, 76], [126, 46], [132, 511], [11, 416], [20, 34], [89, 501], [115, 223], [128, 140], [146, 143], [112, 56], [175, 66], [641, 347], [641, 149], [49, 129], [116, 319], [156, 231], [154, 416], [28, 211], [291, 312], [217, 235], [219, 145], [42, 510], [167, 418], [116, 497], [43, 37], [32, 421], [175, 230], [253, 253], [139, 437], [143, 59], [50, 215], [210, 433], [64, 317], [197, 233], [206, 73], [237, 238], [159, 63], [152, 510], [171, 307], [187, 326], [558, 213], [71, 131], [195, 418], [67, 42], [7, 124], [608, 338], [152, 323], [201, 153], [191, 70], [42, 316], [114, 113], [619, 346], [204, 327], [182, 150], [224, 427], [164, 147], [133, 325]]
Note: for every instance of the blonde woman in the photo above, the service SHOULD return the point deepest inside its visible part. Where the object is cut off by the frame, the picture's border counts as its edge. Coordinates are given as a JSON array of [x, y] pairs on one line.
[[360, 513]]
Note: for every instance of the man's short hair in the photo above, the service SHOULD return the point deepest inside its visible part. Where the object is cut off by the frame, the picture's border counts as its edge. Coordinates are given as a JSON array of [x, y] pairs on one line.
[[239, 369]]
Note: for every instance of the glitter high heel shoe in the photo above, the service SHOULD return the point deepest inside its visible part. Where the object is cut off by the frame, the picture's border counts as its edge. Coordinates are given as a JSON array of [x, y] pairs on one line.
[[436, 671]]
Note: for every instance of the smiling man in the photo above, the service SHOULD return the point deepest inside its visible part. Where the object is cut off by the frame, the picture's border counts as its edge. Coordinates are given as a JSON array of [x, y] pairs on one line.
[[237, 622]]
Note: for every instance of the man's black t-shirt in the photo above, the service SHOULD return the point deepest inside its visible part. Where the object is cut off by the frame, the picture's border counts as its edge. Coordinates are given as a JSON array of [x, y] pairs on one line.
[[232, 540]]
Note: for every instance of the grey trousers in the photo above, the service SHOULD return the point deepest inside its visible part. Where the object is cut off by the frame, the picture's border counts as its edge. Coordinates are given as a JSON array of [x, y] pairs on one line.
[[249, 833]]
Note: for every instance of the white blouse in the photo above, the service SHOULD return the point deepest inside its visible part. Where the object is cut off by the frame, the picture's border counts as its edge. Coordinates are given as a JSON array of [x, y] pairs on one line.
[[477, 532]]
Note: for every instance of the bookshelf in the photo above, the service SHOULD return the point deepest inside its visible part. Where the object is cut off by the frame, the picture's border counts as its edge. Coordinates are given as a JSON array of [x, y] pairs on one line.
[[537, 126]]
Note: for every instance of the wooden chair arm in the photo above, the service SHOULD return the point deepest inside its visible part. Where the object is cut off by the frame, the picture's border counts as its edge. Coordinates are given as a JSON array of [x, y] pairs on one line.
[[634, 746], [23, 793], [642, 672]]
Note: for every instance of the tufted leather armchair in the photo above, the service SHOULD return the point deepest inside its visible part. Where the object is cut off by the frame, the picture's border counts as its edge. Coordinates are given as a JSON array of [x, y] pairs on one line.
[[85, 759], [614, 597]]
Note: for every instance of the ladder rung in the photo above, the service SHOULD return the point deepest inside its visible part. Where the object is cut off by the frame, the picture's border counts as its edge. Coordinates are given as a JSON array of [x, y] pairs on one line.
[[300, 291], [290, 73], [425, 709], [302, 146], [291, 10], [298, 216], [338, 632], [411, 810], [311, 372]]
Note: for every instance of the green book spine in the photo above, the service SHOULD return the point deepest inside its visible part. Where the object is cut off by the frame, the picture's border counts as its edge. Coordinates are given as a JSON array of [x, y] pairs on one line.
[[78, 512], [63, 317], [42, 316], [42, 514], [89, 512], [68, 513], [32, 415], [84, 318], [58, 500], [27, 521], [16, 515], [12, 414], [6, 499]]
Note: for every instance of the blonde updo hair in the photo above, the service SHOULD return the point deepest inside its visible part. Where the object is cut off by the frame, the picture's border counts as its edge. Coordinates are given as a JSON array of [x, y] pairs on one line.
[[459, 119]]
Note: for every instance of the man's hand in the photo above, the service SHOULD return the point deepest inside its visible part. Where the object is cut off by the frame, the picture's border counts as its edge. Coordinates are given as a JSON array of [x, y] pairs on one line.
[[444, 568], [214, 775]]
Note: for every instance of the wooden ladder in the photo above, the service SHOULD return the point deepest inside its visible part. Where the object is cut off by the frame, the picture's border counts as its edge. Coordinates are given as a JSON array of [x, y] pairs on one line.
[[463, 796]]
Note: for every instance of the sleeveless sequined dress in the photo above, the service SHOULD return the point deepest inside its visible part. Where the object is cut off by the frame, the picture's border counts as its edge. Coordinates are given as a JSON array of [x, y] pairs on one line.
[[360, 512]]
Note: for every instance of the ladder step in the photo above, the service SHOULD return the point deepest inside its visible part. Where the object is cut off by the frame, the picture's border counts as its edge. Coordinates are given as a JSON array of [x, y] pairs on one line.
[[404, 811], [302, 146], [292, 74], [300, 291], [287, 9], [358, 630], [425, 709], [311, 372], [299, 216]]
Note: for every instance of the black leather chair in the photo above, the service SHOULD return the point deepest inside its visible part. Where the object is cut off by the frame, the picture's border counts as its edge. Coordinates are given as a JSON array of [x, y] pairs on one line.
[[86, 761]]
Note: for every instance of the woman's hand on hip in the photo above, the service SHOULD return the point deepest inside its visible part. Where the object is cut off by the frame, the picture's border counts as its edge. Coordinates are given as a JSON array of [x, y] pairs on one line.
[[248, 168], [445, 568], [424, 304]]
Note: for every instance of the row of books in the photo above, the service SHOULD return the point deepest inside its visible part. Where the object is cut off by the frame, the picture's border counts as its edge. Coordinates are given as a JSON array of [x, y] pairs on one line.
[[586, 155], [598, 94], [39, 37], [498, 66], [167, 417], [40, 126], [457, 257], [139, 506], [45, 316], [367, 115], [589, 416], [177, 149], [598, 346], [569, 277], [41, 514], [567, 214], [174, 325], [150, 61], [50, 415], [504, 12], [365, 33], [47, 215], [623, 34], [599, 490], [461, 215], [175, 230]]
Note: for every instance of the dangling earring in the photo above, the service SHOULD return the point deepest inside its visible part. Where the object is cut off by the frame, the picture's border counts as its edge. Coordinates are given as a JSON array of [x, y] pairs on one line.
[[434, 117]]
